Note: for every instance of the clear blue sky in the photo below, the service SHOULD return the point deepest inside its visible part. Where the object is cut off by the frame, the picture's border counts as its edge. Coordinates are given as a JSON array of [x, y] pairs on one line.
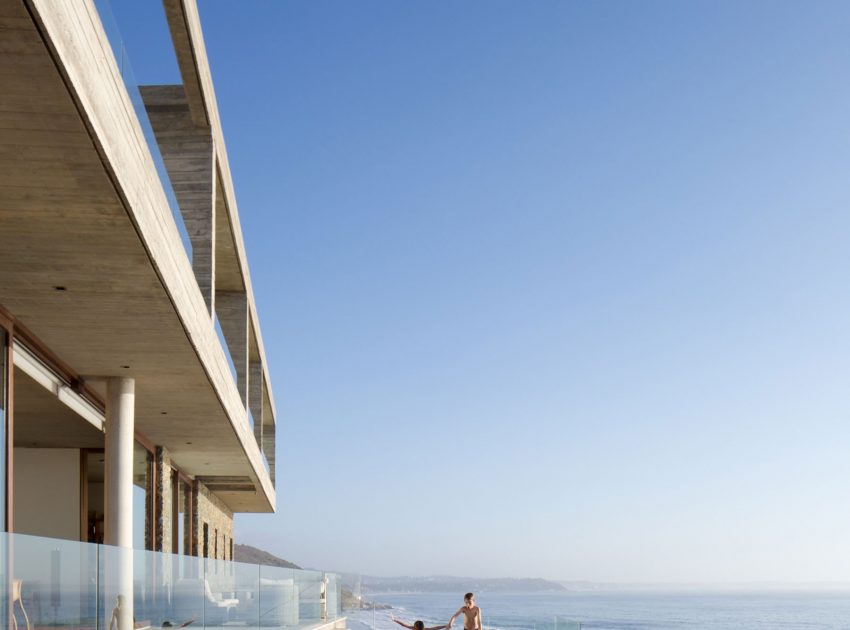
[[554, 289]]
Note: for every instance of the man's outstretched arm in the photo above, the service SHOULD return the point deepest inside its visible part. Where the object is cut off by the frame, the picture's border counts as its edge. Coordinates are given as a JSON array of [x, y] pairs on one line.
[[402, 624]]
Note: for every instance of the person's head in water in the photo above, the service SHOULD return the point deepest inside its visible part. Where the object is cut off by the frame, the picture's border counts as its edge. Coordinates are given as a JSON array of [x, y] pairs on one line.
[[418, 625], [469, 599]]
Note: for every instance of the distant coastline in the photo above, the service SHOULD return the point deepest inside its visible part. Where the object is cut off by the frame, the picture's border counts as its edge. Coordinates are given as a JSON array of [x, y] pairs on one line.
[[445, 583], [441, 584]]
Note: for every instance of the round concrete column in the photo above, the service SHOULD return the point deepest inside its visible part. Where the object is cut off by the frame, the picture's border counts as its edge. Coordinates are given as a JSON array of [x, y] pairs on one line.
[[118, 497], [118, 471]]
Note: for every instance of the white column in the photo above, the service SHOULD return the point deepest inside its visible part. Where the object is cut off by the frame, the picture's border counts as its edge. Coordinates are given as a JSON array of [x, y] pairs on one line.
[[118, 497]]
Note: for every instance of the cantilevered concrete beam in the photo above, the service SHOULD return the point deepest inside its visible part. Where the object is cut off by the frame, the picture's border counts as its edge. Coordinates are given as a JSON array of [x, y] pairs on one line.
[[180, 25], [188, 152], [232, 310]]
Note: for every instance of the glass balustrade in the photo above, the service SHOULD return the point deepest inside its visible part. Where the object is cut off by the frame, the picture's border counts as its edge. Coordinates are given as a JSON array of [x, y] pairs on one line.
[[66, 584]]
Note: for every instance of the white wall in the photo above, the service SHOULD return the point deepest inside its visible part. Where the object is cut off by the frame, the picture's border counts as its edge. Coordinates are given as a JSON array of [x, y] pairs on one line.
[[47, 492]]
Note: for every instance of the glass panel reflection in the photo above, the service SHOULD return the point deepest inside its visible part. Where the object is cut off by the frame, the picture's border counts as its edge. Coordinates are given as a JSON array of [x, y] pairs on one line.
[[68, 584], [142, 496]]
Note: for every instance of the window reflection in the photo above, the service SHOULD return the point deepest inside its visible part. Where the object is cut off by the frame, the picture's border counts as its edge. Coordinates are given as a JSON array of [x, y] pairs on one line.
[[142, 498]]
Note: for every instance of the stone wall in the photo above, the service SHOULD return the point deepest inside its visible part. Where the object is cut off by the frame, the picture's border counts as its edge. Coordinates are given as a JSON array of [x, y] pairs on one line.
[[163, 526], [210, 511], [207, 509]]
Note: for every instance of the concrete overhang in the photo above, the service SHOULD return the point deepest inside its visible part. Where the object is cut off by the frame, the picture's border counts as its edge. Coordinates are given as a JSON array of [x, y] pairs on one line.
[[91, 260], [187, 37]]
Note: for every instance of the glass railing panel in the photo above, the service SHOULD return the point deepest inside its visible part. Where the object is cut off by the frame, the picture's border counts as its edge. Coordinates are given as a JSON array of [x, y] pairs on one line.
[[5, 544], [53, 582], [351, 595], [279, 603], [188, 591], [224, 346], [251, 419], [116, 42], [68, 584], [134, 585], [332, 596], [231, 594], [167, 590], [268, 446], [309, 596], [557, 623], [152, 587]]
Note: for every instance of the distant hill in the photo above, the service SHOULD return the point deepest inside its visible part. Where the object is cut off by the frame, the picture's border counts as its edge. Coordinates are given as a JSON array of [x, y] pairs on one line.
[[444, 584], [407, 584], [252, 555]]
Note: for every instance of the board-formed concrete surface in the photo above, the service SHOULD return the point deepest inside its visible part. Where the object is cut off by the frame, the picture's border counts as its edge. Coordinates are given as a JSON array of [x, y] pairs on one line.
[[92, 260]]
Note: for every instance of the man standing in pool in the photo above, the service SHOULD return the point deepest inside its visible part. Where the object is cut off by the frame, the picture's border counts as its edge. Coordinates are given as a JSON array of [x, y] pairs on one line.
[[471, 614]]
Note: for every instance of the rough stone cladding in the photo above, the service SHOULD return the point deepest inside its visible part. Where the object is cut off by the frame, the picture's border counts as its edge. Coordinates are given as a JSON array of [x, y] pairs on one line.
[[163, 525], [149, 526], [209, 510]]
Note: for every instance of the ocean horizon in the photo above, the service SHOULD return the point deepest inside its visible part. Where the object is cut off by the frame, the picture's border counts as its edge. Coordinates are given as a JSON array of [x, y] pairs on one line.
[[621, 610]]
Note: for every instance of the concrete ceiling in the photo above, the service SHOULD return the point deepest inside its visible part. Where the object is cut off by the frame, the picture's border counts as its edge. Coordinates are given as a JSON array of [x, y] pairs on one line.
[[42, 421], [75, 272]]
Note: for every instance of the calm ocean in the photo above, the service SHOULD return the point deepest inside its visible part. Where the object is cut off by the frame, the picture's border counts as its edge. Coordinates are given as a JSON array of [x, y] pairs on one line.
[[622, 611]]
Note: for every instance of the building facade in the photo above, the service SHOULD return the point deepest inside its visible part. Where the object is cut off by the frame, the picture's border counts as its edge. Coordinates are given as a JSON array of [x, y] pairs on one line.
[[135, 402]]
